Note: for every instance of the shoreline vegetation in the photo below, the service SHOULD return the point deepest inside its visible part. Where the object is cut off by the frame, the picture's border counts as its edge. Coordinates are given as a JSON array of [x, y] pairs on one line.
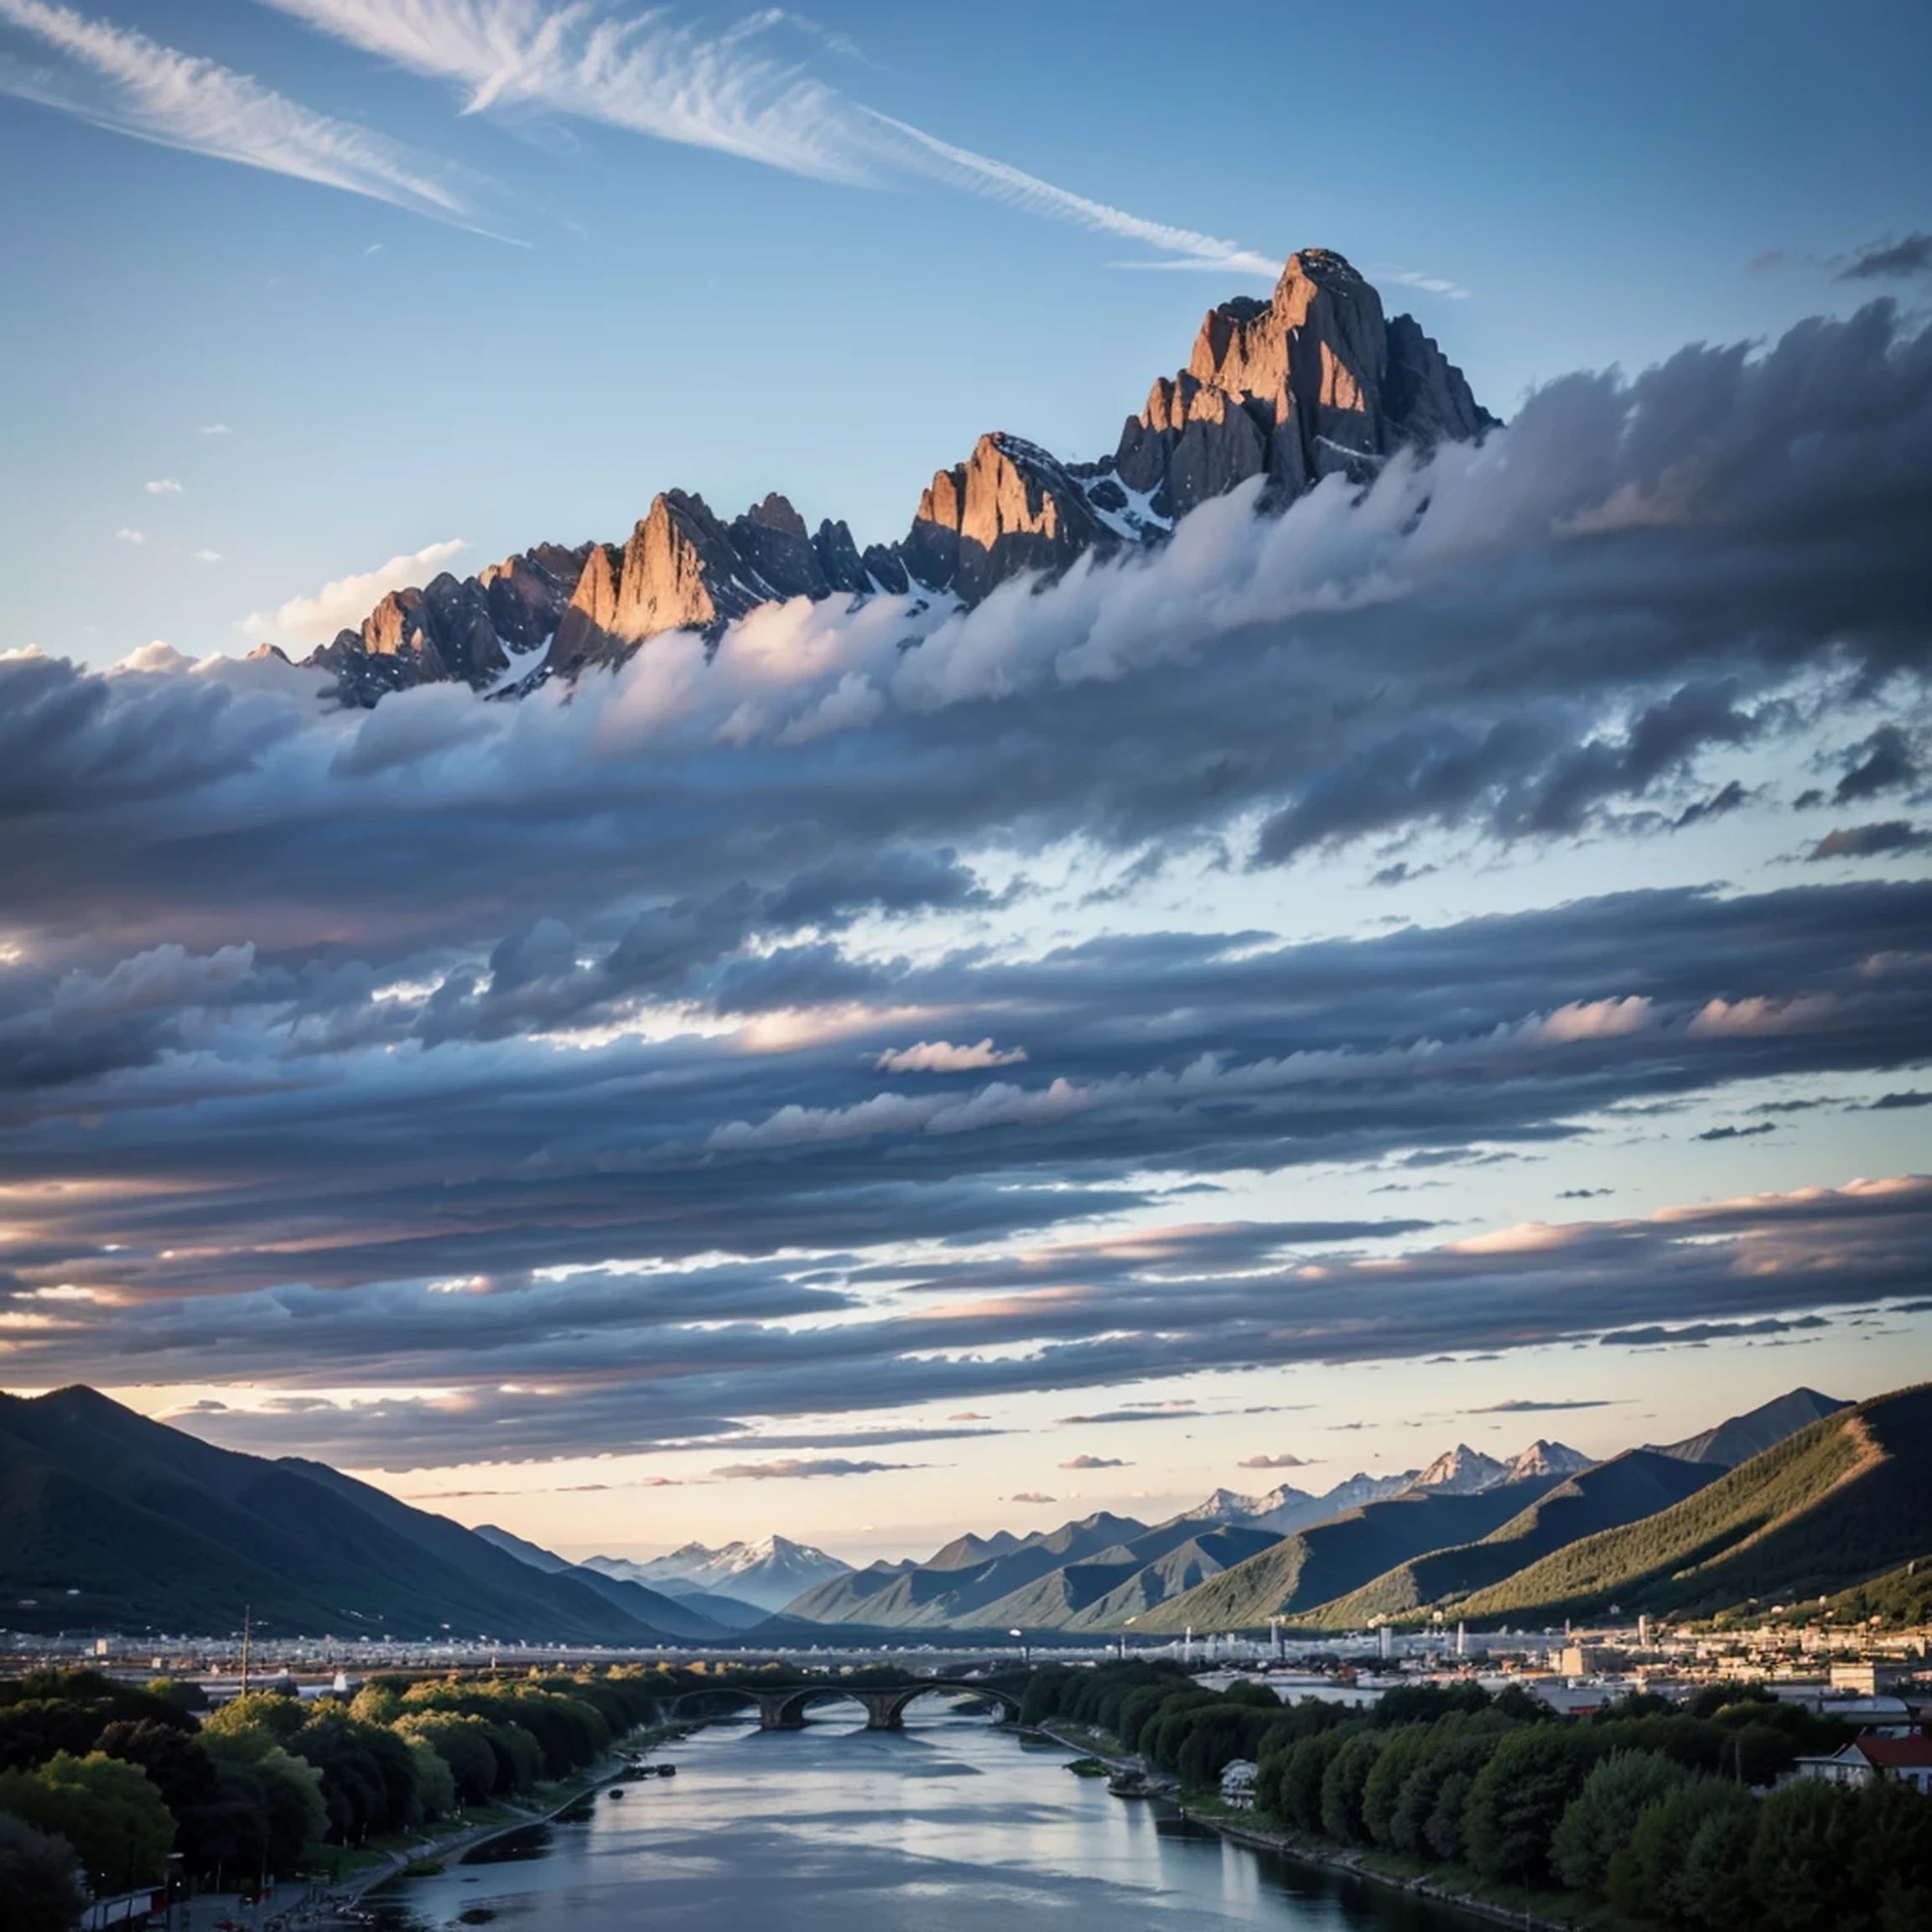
[[1646, 1817], [107, 1787]]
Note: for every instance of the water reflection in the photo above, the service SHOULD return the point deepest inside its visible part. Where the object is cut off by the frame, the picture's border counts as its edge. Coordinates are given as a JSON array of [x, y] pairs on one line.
[[948, 1826]]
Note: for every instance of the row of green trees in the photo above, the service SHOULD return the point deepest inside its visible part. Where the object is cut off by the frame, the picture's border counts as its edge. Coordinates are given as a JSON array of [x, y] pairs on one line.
[[105, 1780], [1667, 1813]]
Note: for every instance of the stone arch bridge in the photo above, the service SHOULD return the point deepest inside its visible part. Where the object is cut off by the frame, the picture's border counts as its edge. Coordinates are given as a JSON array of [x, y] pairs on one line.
[[782, 1706]]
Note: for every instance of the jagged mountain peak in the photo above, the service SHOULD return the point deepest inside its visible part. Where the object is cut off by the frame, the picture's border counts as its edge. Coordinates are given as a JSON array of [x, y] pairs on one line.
[[1461, 1470], [1544, 1458], [1313, 381]]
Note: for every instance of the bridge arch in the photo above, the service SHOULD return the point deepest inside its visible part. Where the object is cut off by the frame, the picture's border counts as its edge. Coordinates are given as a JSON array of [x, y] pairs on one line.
[[762, 1701], [790, 1713], [782, 1706]]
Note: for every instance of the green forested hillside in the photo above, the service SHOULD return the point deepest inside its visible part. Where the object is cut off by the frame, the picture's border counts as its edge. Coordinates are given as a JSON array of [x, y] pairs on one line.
[[1329, 1560], [1847, 1499], [1627, 1487]]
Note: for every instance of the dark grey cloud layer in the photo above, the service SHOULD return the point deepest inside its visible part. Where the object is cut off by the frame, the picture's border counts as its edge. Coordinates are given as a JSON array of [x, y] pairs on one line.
[[1095, 1313], [421, 1048], [1891, 261]]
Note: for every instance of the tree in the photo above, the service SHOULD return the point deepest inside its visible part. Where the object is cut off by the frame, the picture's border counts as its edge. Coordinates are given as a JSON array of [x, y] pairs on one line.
[[1458, 1747], [435, 1787], [280, 1717], [178, 1767], [464, 1745], [1444, 1832], [1891, 1868], [39, 1892], [1652, 1876], [368, 1774], [1519, 1796], [106, 1810], [1598, 1822], [1714, 1885], [271, 1809], [377, 1702], [1343, 1784], [1288, 1787], [1404, 1753], [1801, 1859]]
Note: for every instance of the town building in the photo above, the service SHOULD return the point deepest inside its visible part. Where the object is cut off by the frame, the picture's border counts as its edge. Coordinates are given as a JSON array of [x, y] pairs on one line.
[[1909, 1760]]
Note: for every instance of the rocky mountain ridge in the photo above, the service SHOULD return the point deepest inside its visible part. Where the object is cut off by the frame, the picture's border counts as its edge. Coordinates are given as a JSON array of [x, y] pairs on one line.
[[1315, 381]]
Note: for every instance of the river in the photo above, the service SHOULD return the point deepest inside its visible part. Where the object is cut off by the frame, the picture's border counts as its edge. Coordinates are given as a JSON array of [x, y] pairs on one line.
[[951, 1825]]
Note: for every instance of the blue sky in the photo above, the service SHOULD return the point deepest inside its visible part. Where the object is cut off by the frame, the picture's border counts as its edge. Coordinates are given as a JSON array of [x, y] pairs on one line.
[[1444, 962], [1600, 184]]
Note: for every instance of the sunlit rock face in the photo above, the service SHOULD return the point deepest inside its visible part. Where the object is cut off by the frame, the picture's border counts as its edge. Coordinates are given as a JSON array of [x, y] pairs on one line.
[[1313, 382], [1009, 507]]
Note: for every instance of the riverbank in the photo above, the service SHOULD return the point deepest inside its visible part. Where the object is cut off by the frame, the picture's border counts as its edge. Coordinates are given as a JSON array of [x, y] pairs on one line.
[[338, 1906], [1241, 1831]]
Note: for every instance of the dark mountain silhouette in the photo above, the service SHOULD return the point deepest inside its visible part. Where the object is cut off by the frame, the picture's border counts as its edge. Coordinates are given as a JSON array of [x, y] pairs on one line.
[[109, 1520]]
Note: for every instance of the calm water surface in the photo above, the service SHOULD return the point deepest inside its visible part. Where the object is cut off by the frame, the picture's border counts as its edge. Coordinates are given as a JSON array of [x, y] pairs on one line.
[[948, 1826]]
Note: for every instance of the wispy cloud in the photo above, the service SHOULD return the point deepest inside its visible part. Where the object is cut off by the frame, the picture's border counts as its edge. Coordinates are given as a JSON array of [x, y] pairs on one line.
[[1000, 181], [718, 89], [215, 430], [127, 536], [1273, 1463], [207, 556], [793, 1468], [1417, 279], [1523, 1406], [164, 486], [1098, 1463], [644, 74], [344, 603], [117, 78]]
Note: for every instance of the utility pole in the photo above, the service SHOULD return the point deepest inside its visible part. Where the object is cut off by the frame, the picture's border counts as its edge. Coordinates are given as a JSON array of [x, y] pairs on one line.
[[247, 1627]]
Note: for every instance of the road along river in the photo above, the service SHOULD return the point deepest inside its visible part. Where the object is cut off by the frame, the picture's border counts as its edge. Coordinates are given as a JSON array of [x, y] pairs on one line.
[[950, 1825]]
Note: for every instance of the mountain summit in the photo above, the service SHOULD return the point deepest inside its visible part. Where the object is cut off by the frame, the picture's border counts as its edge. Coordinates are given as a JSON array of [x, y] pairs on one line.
[[1315, 381], [769, 1572]]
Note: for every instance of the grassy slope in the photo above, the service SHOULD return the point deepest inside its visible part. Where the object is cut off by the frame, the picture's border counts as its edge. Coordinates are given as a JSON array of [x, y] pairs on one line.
[[1846, 1499], [1627, 1487]]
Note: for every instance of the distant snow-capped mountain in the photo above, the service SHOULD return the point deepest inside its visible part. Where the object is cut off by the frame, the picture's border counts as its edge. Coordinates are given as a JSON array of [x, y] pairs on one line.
[[1285, 1509], [1542, 1458], [768, 1573], [1462, 1472]]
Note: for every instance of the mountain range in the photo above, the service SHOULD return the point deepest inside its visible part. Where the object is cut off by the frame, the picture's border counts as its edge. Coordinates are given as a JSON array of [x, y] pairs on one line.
[[1316, 381], [109, 1520], [1105, 1571]]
